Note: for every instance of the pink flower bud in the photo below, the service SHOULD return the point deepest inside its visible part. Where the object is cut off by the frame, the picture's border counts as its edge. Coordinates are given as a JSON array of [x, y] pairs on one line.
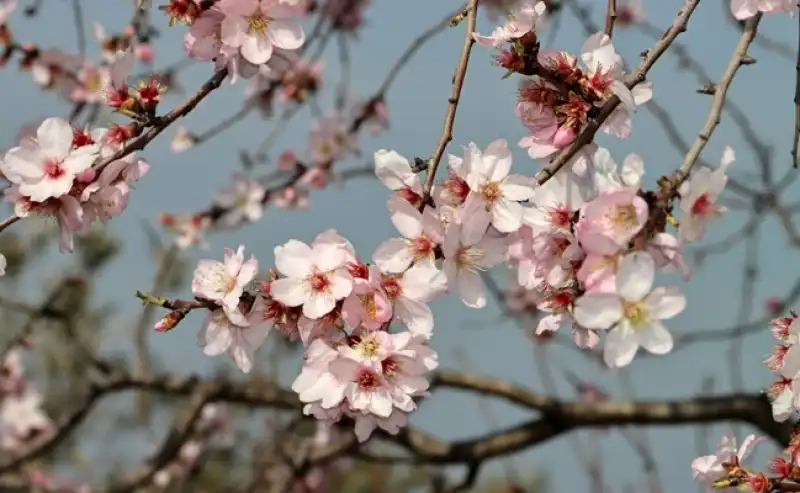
[[86, 176], [564, 137]]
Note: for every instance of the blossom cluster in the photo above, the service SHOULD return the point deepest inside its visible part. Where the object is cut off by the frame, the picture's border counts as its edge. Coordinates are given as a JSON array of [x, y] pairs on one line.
[[65, 173]]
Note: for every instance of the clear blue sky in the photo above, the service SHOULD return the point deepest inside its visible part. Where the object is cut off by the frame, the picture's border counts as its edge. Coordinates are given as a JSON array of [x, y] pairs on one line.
[[183, 183]]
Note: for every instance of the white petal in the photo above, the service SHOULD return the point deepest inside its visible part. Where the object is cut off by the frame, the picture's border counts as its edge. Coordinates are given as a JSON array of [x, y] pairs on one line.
[[393, 256], [597, 310], [620, 347], [55, 138], [506, 215], [635, 276], [405, 217], [319, 305], [470, 289], [655, 338], [517, 188], [293, 259], [290, 292], [665, 302]]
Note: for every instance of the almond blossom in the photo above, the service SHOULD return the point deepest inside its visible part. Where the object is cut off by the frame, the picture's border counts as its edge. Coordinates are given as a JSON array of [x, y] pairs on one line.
[[744, 9], [422, 233], [242, 202], [394, 171], [240, 339], [710, 468], [699, 196], [520, 20], [633, 313], [494, 194], [256, 27], [47, 166], [467, 255], [410, 293], [316, 276], [224, 282]]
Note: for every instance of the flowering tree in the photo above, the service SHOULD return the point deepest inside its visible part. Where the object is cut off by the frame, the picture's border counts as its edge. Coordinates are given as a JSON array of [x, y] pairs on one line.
[[590, 244]]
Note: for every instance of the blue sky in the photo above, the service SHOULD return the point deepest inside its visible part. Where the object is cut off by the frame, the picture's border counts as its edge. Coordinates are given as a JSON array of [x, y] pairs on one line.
[[417, 103]]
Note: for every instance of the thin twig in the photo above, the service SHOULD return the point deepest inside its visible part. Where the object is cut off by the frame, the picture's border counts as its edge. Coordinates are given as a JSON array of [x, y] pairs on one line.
[[611, 17], [455, 95], [720, 92]]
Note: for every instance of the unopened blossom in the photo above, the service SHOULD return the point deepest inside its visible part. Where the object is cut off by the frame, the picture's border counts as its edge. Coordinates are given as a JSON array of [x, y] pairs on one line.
[[47, 167], [699, 195], [394, 171], [219, 334], [316, 276], [710, 468], [224, 282], [3, 264], [467, 254], [257, 27], [520, 20], [243, 201], [422, 233], [744, 9], [495, 195], [633, 313]]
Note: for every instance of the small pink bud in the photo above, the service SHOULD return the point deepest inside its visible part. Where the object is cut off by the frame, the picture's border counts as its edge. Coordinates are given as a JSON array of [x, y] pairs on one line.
[[169, 321], [86, 176], [564, 137]]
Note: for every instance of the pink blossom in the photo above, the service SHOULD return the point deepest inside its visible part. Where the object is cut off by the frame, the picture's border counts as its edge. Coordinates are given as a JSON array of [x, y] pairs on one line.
[[633, 313], [224, 282], [467, 254], [219, 334], [22, 418], [368, 306], [612, 219], [256, 27], [494, 194], [316, 276], [699, 196], [411, 291], [422, 233], [241, 202], [47, 166], [520, 20], [394, 171], [329, 139], [743, 9], [710, 468]]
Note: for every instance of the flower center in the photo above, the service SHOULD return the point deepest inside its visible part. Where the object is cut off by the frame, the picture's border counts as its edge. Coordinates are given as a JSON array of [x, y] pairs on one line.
[[319, 282], [390, 367], [368, 347], [635, 313], [257, 23], [368, 302], [623, 217], [702, 206], [367, 379], [422, 246], [559, 216], [391, 287], [52, 169], [491, 192], [470, 258]]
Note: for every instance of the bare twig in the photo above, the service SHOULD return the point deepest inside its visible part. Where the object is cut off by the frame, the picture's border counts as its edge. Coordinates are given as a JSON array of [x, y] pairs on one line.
[[452, 101]]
